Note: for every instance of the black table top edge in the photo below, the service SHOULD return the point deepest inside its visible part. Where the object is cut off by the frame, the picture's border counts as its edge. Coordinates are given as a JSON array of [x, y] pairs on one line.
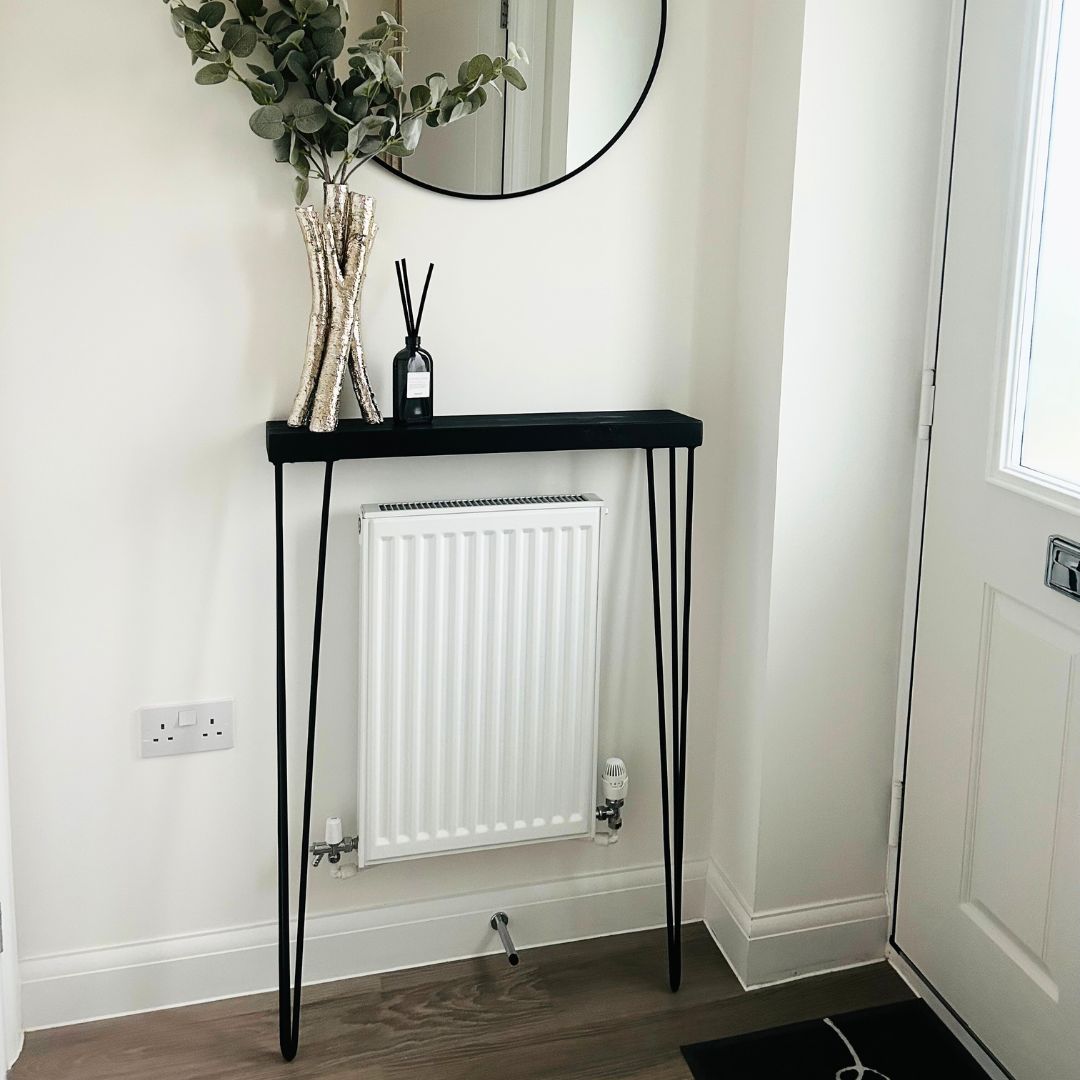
[[495, 433]]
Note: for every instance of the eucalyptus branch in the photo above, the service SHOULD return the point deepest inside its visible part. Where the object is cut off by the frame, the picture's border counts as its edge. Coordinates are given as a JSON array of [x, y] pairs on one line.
[[359, 115]]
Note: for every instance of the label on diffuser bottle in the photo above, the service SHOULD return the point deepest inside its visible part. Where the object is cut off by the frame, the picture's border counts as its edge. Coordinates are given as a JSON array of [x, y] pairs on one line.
[[418, 384]]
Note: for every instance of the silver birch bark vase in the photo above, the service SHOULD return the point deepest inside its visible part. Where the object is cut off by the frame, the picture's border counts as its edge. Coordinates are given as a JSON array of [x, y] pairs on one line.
[[338, 249]]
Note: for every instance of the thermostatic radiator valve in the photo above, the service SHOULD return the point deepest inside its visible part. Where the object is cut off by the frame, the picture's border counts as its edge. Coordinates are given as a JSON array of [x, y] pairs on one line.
[[614, 783], [335, 844]]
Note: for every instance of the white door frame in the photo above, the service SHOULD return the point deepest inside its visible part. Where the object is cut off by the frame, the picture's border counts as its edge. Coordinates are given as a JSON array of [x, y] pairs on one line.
[[904, 966]]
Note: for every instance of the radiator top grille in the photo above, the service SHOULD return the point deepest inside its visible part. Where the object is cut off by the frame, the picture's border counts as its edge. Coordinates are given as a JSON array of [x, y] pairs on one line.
[[465, 504]]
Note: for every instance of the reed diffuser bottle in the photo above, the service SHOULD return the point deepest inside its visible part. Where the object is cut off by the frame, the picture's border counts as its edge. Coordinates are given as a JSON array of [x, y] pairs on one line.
[[414, 377]]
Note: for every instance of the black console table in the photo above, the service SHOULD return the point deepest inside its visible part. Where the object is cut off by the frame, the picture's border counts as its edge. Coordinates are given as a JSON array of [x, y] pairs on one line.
[[647, 430]]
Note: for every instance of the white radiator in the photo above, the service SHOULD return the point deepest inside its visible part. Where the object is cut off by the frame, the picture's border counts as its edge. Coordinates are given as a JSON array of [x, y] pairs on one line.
[[478, 674]]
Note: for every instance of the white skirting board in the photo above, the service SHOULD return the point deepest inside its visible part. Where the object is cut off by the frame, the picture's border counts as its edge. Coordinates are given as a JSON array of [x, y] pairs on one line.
[[76, 987], [775, 946]]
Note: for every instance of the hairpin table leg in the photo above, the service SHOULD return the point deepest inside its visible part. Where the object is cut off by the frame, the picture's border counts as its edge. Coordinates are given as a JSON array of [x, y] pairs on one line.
[[673, 788], [289, 984]]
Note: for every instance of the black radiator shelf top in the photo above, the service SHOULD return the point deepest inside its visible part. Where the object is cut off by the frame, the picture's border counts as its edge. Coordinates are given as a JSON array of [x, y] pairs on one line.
[[497, 433]]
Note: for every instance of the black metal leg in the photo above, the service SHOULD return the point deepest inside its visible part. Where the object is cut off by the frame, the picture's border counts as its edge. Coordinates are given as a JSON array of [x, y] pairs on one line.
[[289, 992], [673, 790]]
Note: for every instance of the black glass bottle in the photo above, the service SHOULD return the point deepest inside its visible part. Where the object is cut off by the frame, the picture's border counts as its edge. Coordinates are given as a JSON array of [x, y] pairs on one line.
[[414, 384]]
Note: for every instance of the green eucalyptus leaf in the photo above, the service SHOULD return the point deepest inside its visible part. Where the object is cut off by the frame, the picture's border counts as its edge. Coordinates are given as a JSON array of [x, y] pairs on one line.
[[397, 148], [278, 23], [197, 40], [515, 78], [243, 42], [262, 93], [297, 63], [374, 61], [296, 38], [268, 122], [308, 8], [250, 9], [310, 116], [299, 159], [374, 124], [211, 74], [420, 96], [477, 99], [329, 21], [376, 33], [479, 67], [354, 109], [301, 190], [389, 20], [187, 16], [411, 131], [458, 111], [330, 43], [335, 138], [212, 13], [283, 147], [438, 85], [276, 81], [463, 73], [239, 38], [393, 72]]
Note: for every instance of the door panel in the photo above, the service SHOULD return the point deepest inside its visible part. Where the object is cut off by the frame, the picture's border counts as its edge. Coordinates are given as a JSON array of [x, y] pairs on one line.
[[989, 890]]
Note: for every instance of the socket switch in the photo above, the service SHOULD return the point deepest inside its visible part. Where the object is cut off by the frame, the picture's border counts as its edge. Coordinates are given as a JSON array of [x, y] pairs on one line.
[[186, 729]]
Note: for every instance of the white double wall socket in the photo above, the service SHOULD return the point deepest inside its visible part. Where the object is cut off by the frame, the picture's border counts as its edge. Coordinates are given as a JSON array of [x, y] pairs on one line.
[[186, 729]]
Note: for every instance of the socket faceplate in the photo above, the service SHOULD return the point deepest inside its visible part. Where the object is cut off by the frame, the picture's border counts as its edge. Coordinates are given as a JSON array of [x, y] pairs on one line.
[[167, 729]]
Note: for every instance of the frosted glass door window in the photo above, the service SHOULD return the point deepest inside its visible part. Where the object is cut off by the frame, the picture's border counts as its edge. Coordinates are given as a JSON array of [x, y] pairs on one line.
[[1049, 405]]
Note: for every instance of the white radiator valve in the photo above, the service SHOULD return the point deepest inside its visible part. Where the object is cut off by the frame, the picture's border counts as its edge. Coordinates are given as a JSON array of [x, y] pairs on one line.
[[614, 782], [335, 845]]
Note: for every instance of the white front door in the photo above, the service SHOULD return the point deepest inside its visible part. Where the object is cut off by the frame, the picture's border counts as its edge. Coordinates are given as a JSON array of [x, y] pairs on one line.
[[989, 890]]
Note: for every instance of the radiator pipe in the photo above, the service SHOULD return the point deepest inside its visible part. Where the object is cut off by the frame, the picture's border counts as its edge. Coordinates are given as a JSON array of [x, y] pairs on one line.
[[500, 921]]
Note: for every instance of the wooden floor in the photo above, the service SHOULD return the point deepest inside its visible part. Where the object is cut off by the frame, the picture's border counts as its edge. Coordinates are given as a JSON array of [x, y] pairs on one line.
[[596, 1009]]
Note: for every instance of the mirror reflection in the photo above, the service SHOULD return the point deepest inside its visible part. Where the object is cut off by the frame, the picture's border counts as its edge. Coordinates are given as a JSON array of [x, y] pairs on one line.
[[589, 63]]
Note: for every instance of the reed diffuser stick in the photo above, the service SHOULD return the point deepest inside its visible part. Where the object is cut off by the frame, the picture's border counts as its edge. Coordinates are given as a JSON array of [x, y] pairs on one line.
[[404, 299], [408, 297], [423, 298]]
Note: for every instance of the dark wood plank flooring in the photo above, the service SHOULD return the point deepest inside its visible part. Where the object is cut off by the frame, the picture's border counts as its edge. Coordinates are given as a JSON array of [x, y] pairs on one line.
[[592, 1010]]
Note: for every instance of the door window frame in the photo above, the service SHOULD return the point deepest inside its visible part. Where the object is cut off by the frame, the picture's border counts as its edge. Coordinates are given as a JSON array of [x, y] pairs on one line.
[[1004, 467]]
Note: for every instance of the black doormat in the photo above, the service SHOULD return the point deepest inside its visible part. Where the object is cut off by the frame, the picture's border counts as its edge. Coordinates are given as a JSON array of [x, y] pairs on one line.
[[895, 1042]]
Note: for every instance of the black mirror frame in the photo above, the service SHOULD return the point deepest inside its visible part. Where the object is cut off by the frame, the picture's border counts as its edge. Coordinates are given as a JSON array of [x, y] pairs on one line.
[[581, 168]]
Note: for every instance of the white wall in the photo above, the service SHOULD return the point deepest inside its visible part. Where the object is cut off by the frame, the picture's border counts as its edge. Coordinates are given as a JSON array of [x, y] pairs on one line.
[[748, 430], [10, 1006], [809, 706], [153, 300]]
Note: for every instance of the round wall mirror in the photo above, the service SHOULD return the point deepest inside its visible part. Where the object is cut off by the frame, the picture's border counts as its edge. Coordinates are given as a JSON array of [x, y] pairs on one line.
[[590, 66]]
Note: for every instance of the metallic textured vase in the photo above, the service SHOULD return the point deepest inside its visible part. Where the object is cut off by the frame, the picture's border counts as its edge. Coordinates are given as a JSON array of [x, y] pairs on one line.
[[339, 248]]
